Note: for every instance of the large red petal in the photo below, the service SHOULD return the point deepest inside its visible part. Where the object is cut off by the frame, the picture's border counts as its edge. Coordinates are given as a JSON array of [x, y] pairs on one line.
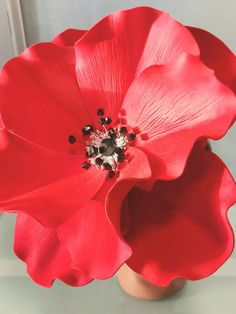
[[25, 167], [180, 229], [46, 257], [172, 106], [39, 96], [54, 203], [216, 55], [68, 37], [48, 186], [119, 47], [93, 244]]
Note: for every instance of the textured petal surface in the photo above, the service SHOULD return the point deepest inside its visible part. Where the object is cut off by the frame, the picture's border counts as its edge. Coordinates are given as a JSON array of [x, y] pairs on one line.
[[48, 186], [68, 37], [173, 105], [54, 203], [45, 256], [135, 171], [113, 52], [115, 205], [216, 55], [180, 229], [39, 96], [25, 167], [136, 167], [93, 244]]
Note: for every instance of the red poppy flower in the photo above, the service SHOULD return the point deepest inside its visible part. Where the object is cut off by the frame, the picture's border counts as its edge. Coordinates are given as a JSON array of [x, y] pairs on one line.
[[88, 117]]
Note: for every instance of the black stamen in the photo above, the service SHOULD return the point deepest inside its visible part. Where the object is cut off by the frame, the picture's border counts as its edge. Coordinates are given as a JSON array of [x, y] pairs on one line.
[[71, 139], [100, 112], [118, 150], [108, 120], [95, 150], [112, 133], [102, 121], [88, 155], [88, 129], [112, 136], [86, 165], [111, 174], [121, 158], [107, 166], [99, 161], [131, 136], [102, 149], [123, 130], [120, 153]]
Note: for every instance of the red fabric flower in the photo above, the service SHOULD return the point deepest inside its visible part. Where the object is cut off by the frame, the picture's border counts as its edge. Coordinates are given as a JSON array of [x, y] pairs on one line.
[[135, 99]]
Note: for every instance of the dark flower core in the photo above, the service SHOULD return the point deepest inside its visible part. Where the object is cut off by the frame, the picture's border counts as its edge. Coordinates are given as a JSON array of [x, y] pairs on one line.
[[105, 147]]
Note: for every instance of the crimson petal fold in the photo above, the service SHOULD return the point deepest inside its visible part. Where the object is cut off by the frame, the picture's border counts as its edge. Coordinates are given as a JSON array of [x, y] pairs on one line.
[[46, 257], [217, 56], [48, 186], [180, 228], [114, 51], [68, 37], [40, 99], [174, 105], [94, 246]]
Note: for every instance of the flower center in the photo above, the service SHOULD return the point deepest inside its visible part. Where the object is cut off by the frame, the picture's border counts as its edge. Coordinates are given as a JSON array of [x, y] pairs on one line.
[[105, 147]]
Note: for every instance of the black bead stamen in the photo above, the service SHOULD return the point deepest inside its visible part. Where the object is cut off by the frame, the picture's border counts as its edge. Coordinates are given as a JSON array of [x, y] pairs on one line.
[[112, 133], [102, 121], [120, 153], [99, 161], [108, 120], [131, 136], [118, 150], [121, 157], [107, 166], [95, 150], [88, 129], [102, 149], [123, 130], [88, 155], [100, 112], [71, 139], [111, 174], [113, 136], [86, 165]]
